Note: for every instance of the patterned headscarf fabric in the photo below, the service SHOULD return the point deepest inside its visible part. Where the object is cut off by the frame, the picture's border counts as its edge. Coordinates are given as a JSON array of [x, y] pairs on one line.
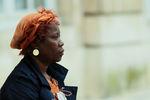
[[27, 27]]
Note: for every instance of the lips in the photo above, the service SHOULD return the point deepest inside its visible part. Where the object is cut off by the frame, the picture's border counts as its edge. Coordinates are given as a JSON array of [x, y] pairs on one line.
[[61, 52]]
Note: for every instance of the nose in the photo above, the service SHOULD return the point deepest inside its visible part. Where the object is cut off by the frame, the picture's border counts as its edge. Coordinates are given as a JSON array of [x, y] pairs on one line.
[[61, 43]]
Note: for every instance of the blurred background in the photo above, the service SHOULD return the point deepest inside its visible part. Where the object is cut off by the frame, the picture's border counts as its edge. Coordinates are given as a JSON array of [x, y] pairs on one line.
[[107, 45]]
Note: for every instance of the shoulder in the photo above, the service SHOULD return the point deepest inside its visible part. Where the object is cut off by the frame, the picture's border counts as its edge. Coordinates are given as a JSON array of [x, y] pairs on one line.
[[22, 72], [22, 82]]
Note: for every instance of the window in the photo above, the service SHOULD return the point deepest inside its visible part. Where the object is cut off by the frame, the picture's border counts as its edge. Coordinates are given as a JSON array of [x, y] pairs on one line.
[[20, 4], [38, 3], [1, 5], [97, 7]]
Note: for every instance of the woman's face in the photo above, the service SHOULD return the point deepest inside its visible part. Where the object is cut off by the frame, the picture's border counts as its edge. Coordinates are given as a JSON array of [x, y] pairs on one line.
[[51, 47]]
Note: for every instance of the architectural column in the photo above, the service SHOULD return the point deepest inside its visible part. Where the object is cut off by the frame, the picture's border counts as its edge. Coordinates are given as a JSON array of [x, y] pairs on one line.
[[65, 9], [90, 40], [132, 5], [1, 5], [90, 23], [51, 4], [102, 26], [9, 6], [146, 9], [30, 4]]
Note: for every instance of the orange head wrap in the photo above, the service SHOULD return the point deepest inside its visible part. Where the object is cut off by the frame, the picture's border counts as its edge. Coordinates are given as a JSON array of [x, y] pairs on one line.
[[27, 27]]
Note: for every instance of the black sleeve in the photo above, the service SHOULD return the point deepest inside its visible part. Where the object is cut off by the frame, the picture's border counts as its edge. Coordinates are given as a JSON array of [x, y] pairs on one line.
[[19, 88]]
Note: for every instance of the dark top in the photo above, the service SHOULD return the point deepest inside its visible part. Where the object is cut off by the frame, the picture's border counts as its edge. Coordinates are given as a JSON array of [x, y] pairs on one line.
[[26, 82]]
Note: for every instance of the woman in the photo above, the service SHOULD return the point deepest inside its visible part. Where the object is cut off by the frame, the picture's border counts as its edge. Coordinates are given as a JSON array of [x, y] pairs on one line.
[[38, 76]]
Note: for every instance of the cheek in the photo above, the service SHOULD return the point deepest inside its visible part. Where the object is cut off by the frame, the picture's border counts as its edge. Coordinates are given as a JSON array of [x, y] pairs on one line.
[[52, 51], [53, 47], [50, 48]]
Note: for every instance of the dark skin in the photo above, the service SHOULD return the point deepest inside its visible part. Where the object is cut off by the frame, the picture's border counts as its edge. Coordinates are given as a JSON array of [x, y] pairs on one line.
[[50, 50]]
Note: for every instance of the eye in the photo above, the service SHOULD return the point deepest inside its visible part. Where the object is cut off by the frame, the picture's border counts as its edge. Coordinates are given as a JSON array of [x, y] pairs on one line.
[[55, 36]]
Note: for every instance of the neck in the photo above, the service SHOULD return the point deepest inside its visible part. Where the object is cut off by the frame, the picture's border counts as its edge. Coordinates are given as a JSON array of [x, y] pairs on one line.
[[43, 66]]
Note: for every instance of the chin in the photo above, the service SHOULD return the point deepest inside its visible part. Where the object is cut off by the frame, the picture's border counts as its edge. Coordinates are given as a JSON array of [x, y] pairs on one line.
[[59, 59]]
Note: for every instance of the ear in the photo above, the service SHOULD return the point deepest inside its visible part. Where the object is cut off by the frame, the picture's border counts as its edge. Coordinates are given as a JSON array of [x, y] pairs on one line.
[[34, 44], [38, 41]]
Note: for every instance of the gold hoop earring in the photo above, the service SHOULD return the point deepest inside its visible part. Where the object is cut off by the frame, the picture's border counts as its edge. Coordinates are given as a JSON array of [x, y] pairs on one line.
[[35, 52]]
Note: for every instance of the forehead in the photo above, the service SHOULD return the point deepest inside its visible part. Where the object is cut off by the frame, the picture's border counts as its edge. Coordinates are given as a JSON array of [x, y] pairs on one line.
[[54, 28]]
